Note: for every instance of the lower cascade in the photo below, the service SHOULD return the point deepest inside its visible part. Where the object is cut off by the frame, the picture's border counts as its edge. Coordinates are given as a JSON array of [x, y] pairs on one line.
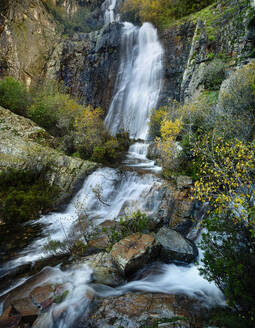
[[110, 193]]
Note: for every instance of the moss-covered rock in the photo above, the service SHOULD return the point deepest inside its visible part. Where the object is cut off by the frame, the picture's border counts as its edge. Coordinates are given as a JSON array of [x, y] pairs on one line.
[[26, 146]]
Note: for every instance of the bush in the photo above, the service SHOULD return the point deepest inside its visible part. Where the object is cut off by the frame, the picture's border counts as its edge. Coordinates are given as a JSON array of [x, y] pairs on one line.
[[13, 95], [25, 195], [229, 261], [161, 12], [237, 104], [214, 74]]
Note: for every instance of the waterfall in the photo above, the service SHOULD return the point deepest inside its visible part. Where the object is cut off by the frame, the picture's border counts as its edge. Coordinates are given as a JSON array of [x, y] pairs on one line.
[[108, 8], [138, 83]]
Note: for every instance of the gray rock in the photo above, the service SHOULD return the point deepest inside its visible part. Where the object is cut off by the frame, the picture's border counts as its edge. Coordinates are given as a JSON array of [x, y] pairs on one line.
[[104, 269], [175, 247]]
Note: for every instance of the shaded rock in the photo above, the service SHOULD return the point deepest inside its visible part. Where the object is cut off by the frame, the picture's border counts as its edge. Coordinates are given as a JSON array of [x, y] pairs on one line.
[[136, 310], [104, 270], [26, 307], [175, 247], [10, 318], [133, 252], [19, 149]]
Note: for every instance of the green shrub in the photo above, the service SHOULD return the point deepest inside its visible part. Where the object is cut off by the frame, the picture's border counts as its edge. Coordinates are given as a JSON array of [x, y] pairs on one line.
[[25, 195], [161, 12], [229, 261], [13, 95], [214, 74]]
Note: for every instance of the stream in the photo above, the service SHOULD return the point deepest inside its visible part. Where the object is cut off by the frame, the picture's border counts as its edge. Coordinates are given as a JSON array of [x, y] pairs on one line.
[[122, 191]]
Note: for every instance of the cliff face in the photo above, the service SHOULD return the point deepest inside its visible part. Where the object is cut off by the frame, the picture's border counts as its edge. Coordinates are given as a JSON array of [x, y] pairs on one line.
[[32, 46], [88, 64], [225, 31], [28, 33]]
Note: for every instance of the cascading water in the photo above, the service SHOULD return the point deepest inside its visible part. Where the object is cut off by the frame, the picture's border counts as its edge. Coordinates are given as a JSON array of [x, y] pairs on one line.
[[137, 90], [138, 83]]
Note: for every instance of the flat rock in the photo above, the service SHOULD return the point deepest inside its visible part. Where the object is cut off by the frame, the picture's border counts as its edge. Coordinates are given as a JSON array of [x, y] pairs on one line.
[[138, 310], [135, 251], [175, 247]]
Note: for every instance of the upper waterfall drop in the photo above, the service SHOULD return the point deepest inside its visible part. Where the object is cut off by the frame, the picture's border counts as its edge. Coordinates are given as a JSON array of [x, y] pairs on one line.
[[138, 83], [109, 11]]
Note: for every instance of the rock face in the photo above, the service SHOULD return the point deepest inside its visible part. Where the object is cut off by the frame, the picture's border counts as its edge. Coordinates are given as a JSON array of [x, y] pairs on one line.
[[27, 38], [190, 45], [24, 145], [145, 310], [176, 247], [133, 252], [86, 62]]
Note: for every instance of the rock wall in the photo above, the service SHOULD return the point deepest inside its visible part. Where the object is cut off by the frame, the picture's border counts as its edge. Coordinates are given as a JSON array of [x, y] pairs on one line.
[[28, 34], [224, 31], [88, 64]]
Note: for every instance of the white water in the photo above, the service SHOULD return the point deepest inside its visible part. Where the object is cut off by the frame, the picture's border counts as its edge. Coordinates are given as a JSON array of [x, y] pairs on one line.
[[109, 11], [138, 83], [137, 90]]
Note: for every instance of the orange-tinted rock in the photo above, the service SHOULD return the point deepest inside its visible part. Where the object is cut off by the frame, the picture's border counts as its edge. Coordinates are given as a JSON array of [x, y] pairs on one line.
[[42, 293], [25, 307], [136, 310], [135, 251]]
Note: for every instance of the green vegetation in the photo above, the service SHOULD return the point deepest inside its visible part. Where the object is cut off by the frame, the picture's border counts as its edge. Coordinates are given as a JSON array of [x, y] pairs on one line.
[[161, 12], [79, 130], [25, 195], [83, 20], [216, 134], [136, 222], [13, 95]]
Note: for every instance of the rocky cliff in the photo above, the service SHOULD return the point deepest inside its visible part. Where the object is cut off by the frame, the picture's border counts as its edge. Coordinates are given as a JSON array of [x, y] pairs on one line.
[[32, 45], [24, 146], [224, 30]]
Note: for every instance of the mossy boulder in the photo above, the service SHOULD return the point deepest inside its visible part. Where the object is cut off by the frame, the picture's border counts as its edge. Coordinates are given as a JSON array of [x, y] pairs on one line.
[[26, 146]]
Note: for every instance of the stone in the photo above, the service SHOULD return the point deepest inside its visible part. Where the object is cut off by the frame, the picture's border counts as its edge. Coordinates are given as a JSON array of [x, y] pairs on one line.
[[9, 319], [25, 307], [22, 149], [175, 247], [183, 182], [104, 269], [41, 294], [23, 291], [135, 251], [134, 310]]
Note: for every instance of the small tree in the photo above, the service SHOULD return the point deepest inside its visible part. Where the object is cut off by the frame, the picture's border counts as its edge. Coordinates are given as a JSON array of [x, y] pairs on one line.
[[13, 95]]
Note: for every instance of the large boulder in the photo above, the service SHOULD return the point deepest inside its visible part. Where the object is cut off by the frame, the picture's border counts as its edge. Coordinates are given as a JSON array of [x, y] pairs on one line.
[[175, 247], [104, 270], [150, 310], [135, 251]]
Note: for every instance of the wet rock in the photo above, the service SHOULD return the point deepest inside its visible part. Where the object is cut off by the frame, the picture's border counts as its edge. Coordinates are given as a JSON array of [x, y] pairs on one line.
[[26, 307], [104, 269], [40, 295], [136, 310], [175, 247], [25, 289], [10, 318], [133, 252]]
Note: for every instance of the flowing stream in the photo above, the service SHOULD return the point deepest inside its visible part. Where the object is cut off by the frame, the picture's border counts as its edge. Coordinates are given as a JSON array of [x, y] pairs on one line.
[[121, 191]]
